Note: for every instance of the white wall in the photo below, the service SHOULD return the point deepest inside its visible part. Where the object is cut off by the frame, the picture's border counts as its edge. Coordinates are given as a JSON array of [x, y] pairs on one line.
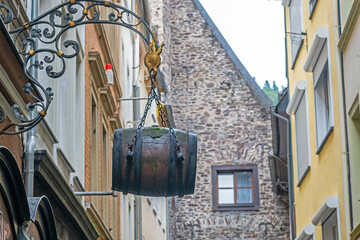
[[66, 114]]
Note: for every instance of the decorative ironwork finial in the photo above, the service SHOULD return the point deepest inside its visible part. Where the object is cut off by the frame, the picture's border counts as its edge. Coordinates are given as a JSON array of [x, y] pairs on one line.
[[152, 57]]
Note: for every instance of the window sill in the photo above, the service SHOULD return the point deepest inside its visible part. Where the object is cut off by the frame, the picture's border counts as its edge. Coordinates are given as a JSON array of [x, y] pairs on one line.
[[303, 176], [320, 147], [224, 208]]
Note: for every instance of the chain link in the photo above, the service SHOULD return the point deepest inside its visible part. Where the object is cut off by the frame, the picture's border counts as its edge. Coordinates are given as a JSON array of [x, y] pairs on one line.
[[164, 119]]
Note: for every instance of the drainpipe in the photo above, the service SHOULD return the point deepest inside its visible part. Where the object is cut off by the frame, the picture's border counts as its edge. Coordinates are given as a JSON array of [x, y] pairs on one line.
[[136, 119], [289, 151], [167, 219], [138, 219], [31, 134], [290, 174], [29, 158], [345, 121]]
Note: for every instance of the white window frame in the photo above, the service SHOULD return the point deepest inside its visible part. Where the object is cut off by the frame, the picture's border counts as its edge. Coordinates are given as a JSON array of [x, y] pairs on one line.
[[299, 95], [318, 57], [330, 206]]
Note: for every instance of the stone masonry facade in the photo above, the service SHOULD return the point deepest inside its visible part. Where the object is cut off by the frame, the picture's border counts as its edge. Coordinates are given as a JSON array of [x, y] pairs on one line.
[[215, 98]]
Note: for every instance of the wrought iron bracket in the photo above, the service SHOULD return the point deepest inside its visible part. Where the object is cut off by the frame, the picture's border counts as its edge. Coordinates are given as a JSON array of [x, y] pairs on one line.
[[132, 99], [297, 38], [113, 193], [41, 39]]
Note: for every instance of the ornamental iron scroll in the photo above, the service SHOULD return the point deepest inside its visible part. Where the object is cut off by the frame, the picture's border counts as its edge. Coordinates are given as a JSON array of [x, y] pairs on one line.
[[40, 45]]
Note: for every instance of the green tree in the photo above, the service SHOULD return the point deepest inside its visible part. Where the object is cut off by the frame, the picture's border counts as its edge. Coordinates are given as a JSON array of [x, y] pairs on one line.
[[266, 84], [274, 87], [271, 92]]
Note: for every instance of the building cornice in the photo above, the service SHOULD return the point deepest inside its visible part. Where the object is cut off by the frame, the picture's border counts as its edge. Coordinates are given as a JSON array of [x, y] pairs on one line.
[[296, 96], [13, 65], [330, 204], [98, 222], [50, 176], [108, 101], [349, 26], [306, 233], [322, 34], [97, 69], [115, 122]]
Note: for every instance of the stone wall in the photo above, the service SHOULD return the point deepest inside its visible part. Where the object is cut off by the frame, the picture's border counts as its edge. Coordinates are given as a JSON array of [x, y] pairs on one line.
[[211, 97], [160, 17]]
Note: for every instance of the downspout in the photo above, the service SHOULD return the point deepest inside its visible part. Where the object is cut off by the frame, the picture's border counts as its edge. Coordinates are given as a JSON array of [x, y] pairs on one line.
[[167, 219], [29, 158], [140, 217], [345, 122], [290, 174], [289, 151], [31, 134]]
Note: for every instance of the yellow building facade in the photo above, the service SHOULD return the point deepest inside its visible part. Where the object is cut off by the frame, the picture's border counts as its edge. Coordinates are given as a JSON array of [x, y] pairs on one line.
[[319, 161]]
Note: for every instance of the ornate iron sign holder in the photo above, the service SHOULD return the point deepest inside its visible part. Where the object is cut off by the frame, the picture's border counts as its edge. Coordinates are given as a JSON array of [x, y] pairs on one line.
[[55, 23], [41, 50]]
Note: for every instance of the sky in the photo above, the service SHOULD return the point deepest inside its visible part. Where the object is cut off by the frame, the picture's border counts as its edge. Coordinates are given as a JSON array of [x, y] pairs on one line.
[[255, 31]]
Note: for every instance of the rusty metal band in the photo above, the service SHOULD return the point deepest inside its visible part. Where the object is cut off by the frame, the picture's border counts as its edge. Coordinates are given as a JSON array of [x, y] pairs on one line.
[[128, 167], [179, 166], [117, 155], [137, 162], [191, 164], [172, 166]]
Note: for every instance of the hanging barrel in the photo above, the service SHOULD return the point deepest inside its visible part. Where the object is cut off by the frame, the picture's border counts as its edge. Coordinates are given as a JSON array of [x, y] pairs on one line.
[[153, 166]]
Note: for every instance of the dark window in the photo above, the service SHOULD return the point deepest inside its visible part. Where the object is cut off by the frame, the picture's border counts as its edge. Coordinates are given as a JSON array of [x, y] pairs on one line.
[[296, 29], [312, 5], [330, 228], [235, 188]]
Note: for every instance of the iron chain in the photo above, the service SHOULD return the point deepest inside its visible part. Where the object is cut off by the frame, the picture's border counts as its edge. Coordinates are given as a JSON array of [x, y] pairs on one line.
[[164, 119]]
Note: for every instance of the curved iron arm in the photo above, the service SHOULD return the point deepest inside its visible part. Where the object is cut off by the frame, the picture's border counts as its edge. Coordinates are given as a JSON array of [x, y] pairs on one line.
[[55, 23]]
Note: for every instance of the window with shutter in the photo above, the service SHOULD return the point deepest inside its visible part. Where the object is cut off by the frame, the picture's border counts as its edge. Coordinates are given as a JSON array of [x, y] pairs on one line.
[[330, 228], [296, 28], [322, 95], [302, 142]]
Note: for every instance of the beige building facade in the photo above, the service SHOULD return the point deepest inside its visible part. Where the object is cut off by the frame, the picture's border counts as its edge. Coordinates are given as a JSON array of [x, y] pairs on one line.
[[116, 106], [349, 47]]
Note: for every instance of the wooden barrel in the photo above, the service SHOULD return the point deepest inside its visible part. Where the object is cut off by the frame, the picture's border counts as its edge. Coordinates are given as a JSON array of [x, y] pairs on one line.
[[154, 167]]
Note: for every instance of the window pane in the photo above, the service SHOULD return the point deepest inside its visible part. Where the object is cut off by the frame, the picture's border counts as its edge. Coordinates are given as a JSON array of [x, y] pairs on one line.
[[330, 228], [312, 4], [322, 105], [244, 195], [296, 26], [226, 180], [226, 196], [243, 179]]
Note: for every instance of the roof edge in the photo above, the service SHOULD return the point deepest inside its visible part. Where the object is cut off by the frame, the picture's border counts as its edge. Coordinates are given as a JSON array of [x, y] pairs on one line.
[[262, 98]]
